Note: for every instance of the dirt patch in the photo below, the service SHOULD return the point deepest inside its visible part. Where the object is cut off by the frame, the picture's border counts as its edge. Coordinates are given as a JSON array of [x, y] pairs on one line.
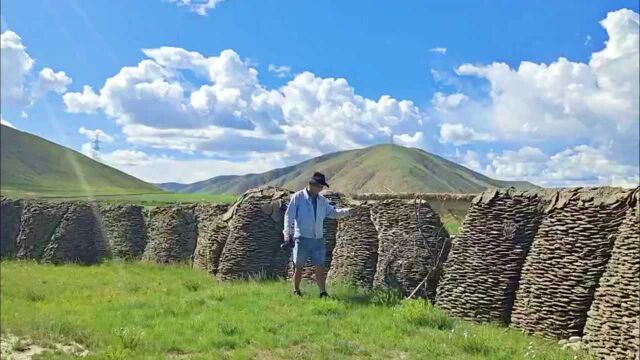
[[23, 348]]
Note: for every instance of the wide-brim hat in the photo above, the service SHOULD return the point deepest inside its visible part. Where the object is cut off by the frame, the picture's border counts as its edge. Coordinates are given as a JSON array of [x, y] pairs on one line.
[[318, 179]]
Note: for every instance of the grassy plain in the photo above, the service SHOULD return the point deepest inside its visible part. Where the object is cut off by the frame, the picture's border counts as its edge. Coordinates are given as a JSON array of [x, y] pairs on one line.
[[143, 311]]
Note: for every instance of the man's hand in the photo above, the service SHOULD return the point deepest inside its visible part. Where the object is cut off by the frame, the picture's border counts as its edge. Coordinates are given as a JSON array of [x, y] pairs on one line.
[[288, 242]]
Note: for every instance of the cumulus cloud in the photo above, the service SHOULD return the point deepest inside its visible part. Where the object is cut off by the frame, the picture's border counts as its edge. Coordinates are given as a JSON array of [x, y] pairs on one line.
[[16, 64], [567, 99], [438, 50], [200, 7], [459, 134], [579, 165], [416, 140], [153, 168], [16, 83], [280, 71], [49, 80], [442, 102], [232, 111]]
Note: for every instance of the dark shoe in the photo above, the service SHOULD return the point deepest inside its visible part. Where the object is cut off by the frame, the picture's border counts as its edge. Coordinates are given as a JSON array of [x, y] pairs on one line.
[[297, 293], [324, 295]]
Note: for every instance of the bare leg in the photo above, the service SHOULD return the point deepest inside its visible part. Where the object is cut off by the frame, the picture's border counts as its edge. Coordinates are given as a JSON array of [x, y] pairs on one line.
[[321, 278], [297, 276]]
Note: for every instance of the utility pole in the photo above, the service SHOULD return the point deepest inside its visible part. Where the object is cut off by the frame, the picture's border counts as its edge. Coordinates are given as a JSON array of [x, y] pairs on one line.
[[95, 147]]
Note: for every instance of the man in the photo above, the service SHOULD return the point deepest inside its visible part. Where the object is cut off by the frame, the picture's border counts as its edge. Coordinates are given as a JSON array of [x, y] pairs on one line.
[[303, 230]]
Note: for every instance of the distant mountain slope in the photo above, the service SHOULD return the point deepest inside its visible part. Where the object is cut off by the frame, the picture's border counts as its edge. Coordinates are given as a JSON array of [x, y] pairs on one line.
[[380, 168], [32, 164]]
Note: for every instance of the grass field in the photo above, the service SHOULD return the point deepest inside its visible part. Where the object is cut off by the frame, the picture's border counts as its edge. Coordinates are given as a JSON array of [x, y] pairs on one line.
[[143, 311], [149, 199]]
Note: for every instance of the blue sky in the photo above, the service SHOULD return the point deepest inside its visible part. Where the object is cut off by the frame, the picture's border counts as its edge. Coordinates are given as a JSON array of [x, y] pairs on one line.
[[516, 90]]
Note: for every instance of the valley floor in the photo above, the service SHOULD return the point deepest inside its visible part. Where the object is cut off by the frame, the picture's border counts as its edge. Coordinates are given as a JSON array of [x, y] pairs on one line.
[[142, 311]]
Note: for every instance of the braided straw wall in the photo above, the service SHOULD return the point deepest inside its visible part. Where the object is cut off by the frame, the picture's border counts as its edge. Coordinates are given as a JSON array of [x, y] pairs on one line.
[[171, 235], [483, 269], [10, 212], [77, 238], [123, 228], [613, 329], [255, 235], [356, 252], [212, 236], [412, 245], [569, 254]]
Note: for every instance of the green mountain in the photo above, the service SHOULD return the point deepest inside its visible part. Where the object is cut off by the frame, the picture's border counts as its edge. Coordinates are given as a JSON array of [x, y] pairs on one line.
[[380, 168], [31, 164]]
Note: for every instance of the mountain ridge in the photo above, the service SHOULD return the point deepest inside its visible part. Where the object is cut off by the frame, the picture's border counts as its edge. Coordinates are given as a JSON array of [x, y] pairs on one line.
[[379, 168], [30, 163]]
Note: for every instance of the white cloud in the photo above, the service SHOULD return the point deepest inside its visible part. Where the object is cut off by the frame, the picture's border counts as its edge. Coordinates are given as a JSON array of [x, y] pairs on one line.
[[85, 102], [439, 50], [566, 99], [154, 168], [415, 140], [120, 158], [458, 134], [443, 103], [49, 80], [280, 71], [15, 65], [579, 165], [16, 83], [233, 111], [200, 7], [92, 134]]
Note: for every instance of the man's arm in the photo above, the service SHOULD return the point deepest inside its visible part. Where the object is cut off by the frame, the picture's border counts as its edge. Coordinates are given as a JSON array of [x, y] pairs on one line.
[[290, 217], [333, 213]]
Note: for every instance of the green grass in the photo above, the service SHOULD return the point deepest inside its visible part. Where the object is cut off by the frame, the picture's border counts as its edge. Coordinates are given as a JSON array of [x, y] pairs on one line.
[[143, 311], [32, 164], [149, 199]]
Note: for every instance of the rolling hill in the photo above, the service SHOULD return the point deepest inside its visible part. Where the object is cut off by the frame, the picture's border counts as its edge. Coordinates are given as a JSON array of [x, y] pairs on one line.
[[380, 168], [31, 164]]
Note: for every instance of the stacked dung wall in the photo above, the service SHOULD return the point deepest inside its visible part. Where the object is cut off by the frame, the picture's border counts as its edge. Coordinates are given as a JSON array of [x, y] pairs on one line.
[[483, 269], [123, 228], [255, 235], [10, 212], [444, 204], [212, 236], [171, 234], [613, 329], [38, 222], [77, 238], [569, 254], [412, 245], [356, 252], [330, 231]]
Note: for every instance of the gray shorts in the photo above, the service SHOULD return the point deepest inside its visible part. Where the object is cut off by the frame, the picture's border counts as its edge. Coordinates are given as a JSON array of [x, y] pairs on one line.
[[307, 248]]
